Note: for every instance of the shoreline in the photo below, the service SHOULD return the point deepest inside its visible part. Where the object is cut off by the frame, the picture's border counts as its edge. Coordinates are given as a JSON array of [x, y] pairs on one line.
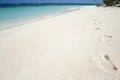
[[13, 24]]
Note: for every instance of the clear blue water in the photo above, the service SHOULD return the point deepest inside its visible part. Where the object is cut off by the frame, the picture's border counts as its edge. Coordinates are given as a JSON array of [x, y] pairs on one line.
[[7, 14], [10, 16]]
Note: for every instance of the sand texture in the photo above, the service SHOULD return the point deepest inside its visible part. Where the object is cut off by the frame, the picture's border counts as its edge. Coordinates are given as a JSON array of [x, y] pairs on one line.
[[79, 45]]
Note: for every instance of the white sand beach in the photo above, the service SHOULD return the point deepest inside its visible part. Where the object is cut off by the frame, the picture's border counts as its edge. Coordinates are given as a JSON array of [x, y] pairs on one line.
[[79, 45]]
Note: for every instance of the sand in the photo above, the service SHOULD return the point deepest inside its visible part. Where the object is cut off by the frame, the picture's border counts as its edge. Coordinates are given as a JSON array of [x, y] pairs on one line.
[[79, 45]]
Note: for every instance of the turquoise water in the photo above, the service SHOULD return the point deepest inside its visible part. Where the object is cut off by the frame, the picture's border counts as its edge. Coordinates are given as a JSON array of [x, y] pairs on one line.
[[11, 16]]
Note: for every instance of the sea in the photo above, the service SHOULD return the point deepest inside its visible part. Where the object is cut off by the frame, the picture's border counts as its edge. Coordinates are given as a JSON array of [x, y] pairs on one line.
[[13, 16]]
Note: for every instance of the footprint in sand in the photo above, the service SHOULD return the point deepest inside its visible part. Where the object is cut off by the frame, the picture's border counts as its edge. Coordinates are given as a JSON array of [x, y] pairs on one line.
[[97, 28], [105, 63], [106, 38], [97, 23]]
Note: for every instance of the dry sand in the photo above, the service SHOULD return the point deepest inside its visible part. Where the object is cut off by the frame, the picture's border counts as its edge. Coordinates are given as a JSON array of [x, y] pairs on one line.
[[79, 45]]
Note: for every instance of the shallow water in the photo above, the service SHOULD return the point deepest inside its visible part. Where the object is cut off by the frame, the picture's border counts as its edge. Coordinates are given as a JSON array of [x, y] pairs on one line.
[[12, 16]]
